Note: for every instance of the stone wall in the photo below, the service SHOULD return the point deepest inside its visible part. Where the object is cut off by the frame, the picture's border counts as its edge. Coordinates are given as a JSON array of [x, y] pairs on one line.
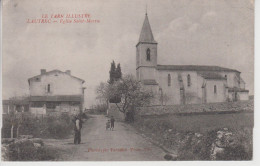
[[197, 108]]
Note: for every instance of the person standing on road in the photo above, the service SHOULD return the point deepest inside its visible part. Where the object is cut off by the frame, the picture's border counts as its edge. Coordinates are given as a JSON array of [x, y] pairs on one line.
[[112, 121], [77, 128]]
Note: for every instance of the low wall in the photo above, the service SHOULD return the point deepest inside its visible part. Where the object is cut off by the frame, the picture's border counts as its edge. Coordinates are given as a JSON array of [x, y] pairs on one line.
[[193, 108]]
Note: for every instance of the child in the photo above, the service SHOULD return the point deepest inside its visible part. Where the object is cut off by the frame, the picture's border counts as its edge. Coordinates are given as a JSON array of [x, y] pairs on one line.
[[108, 124]]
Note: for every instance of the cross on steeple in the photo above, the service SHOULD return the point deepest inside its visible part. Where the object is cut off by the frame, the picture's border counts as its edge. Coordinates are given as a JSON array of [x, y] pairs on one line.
[[146, 9]]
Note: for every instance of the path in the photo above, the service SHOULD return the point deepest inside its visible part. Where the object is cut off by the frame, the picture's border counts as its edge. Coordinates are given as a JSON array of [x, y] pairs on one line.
[[122, 144]]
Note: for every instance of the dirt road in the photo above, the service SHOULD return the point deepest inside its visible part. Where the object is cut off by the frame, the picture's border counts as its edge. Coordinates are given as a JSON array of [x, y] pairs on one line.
[[122, 144]]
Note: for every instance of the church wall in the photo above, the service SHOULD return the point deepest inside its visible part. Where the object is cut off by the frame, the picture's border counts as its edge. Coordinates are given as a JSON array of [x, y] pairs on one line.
[[220, 95], [191, 92], [173, 91], [243, 96], [231, 81], [199, 88]]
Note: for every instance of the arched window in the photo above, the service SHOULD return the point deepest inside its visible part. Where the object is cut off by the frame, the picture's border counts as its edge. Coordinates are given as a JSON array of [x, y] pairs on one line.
[[169, 80], [49, 88], [226, 76], [148, 58], [188, 80], [215, 89]]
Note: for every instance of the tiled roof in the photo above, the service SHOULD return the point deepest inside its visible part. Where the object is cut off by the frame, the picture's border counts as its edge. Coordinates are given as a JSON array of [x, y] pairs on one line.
[[149, 82], [193, 68], [55, 71], [16, 101], [146, 32], [73, 98], [211, 75]]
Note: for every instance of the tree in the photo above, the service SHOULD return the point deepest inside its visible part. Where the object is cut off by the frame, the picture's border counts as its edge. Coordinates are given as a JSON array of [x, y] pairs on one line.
[[131, 93], [115, 73], [112, 73], [102, 94], [118, 72]]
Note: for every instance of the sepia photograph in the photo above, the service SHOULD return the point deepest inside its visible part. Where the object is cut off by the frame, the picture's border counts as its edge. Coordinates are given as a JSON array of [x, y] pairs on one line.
[[127, 80]]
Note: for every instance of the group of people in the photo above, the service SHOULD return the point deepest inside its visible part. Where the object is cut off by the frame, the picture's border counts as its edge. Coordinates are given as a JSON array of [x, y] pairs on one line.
[[77, 120], [110, 123]]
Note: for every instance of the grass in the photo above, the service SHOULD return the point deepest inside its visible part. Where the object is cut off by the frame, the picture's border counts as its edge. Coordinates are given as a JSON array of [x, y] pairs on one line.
[[201, 123]]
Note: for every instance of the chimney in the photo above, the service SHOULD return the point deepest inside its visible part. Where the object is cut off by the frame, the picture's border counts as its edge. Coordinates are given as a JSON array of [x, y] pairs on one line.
[[43, 71], [67, 71]]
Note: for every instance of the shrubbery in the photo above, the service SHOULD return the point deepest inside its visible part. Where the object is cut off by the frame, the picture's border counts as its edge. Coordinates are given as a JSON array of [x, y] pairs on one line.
[[59, 126], [192, 143], [25, 151]]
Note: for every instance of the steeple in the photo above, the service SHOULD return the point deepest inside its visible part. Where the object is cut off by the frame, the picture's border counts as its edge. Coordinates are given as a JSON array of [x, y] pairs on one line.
[[146, 32]]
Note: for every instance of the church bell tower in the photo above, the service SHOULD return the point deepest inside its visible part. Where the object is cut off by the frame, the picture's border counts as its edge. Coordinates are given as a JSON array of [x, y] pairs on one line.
[[146, 53]]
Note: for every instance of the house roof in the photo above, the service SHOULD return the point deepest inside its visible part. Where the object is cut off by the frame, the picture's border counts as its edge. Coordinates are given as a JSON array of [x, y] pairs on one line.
[[194, 68], [73, 98], [55, 71], [211, 75], [146, 32], [149, 82], [16, 101]]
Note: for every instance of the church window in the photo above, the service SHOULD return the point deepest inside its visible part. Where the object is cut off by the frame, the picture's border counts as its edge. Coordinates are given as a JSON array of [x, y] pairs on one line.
[[49, 88], [169, 80], [148, 58], [188, 80], [215, 89]]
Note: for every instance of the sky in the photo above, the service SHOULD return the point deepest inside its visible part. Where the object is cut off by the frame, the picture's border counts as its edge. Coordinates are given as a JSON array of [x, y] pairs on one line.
[[201, 32]]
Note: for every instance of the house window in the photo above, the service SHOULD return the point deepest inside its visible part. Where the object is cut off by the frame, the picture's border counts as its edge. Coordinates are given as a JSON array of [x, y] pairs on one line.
[[169, 80], [188, 80], [215, 89], [148, 58], [49, 88]]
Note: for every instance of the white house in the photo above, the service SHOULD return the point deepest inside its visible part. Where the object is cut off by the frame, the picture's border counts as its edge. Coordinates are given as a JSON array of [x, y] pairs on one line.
[[184, 84], [56, 91]]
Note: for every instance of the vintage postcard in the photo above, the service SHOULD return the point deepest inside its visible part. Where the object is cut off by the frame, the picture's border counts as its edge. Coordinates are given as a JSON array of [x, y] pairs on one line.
[[127, 80]]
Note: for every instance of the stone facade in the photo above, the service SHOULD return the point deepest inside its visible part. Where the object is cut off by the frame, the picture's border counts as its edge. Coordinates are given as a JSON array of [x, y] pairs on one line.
[[56, 91], [184, 84]]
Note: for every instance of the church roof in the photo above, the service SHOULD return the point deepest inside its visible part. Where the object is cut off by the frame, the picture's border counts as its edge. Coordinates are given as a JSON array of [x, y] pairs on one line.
[[211, 75], [236, 89], [193, 68], [146, 32]]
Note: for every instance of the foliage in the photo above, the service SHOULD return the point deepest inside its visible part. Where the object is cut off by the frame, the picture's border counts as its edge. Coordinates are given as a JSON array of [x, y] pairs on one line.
[[47, 126], [25, 151], [115, 73], [193, 136], [131, 92], [98, 109]]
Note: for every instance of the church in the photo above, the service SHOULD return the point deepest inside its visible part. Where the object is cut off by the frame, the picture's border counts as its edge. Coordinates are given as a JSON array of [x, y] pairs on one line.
[[184, 84]]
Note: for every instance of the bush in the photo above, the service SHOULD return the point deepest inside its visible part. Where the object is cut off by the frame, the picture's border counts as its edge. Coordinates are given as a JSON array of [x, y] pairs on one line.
[[25, 151], [59, 126], [237, 152]]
